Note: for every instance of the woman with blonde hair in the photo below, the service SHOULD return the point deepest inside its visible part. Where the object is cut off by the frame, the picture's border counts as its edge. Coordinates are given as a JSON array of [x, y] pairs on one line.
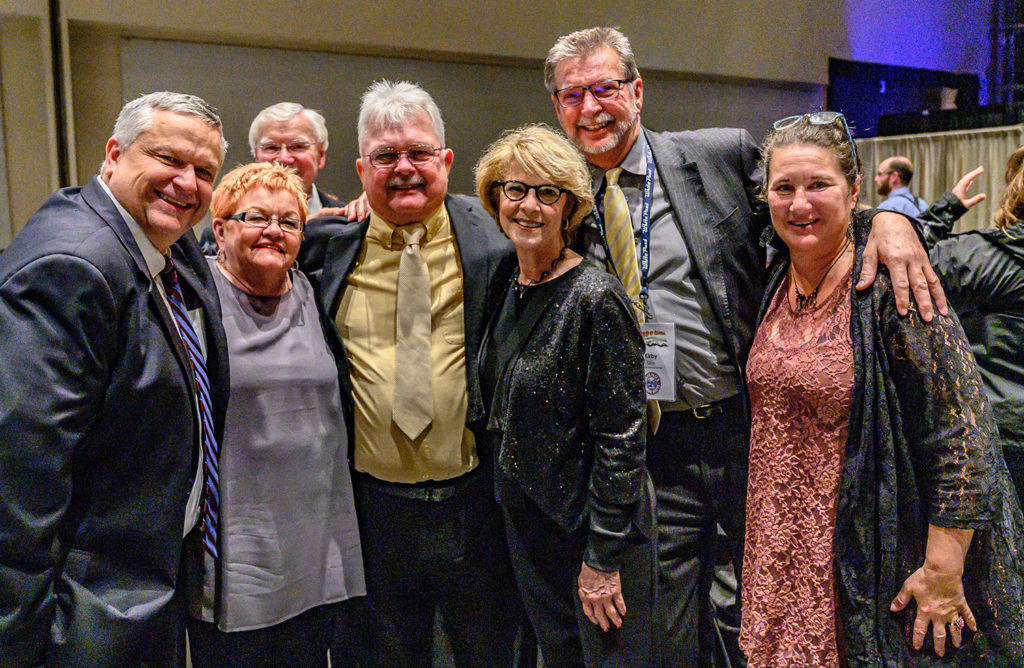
[[561, 369]]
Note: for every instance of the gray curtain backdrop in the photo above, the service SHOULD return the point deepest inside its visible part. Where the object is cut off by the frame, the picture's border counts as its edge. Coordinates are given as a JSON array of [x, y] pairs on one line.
[[941, 158]]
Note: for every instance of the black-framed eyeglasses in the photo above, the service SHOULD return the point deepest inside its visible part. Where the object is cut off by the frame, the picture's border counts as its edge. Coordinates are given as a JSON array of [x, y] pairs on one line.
[[262, 221], [517, 190], [819, 118], [273, 149], [418, 154], [602, 90]]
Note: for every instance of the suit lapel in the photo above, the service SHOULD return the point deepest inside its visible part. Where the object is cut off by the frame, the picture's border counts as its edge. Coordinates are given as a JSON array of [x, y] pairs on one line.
[[473, 254], [97, 198], [685, 189], [156, 302], [341, 253]]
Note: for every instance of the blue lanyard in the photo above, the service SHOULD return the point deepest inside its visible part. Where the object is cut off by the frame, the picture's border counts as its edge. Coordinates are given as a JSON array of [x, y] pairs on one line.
[[645, 226]]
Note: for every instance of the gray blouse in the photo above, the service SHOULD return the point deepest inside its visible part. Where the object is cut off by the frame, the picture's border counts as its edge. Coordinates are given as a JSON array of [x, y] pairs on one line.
[[289, 538]]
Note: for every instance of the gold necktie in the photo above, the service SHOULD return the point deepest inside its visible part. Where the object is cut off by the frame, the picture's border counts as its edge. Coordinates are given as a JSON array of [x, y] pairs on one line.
[[412, 407], [618, 230]]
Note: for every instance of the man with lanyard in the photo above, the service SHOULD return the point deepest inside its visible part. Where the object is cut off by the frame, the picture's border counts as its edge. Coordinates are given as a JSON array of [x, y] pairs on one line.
[[679, 221]]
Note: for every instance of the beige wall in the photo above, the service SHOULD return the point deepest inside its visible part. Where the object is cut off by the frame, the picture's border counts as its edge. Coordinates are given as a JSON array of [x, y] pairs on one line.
[[729, 62], [29, 146], [722, 38]]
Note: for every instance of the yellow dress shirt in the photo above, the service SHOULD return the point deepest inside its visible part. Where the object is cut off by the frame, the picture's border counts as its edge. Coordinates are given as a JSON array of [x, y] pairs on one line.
[[366, 321]]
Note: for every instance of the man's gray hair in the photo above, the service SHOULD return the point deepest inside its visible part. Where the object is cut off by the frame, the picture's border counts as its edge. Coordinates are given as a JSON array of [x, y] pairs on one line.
[[390, 104], [582, 43], [285, 111], [136, 117]]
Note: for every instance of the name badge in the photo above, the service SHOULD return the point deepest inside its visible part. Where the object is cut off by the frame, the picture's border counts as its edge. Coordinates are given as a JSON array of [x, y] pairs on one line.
[[659, 360]]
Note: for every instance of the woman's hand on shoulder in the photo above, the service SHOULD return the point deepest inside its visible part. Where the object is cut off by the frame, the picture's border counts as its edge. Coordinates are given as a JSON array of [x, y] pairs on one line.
[[601, 595]]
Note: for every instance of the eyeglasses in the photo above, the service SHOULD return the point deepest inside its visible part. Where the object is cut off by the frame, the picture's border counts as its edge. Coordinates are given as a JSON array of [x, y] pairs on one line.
[[602, 90], [517, 190], [261, 221], [418, 154], [819, 118], [273, 149]]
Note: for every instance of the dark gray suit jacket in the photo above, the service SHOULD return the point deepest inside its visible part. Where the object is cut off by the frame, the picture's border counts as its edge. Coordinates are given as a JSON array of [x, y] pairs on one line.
[[98, 438], [712, 178], [329, 253]]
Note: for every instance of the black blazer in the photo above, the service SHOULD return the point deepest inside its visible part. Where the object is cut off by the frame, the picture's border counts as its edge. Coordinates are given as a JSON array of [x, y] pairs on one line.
[[570, 411], [712, 178], [99, 435], [329, 253]]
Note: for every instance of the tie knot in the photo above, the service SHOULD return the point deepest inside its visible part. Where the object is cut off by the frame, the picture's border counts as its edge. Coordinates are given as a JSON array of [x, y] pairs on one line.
[[412, 233], [168, 274], [612, 176]]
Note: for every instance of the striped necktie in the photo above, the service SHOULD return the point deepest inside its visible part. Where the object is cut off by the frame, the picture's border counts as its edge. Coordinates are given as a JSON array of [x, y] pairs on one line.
[[211, 501], [618, 230]]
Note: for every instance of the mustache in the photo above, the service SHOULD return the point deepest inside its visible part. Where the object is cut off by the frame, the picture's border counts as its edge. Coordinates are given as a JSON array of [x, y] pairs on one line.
[[405, 181], [603, 117]]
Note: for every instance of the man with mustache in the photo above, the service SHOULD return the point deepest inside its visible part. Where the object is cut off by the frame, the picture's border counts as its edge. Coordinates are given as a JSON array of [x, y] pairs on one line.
[[112, 403], [409, 289], [688, 203]]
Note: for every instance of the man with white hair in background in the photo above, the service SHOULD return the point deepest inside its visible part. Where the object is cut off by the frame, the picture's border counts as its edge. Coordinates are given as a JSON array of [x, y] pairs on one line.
[[292, 135]]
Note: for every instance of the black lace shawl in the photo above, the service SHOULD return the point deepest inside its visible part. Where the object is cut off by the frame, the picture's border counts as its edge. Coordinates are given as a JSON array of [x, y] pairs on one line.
[[921, 451]]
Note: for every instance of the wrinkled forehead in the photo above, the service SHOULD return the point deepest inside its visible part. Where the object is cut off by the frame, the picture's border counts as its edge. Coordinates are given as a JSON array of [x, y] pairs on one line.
[[598, 64], [415, 128], [183, 133], [296, 128]]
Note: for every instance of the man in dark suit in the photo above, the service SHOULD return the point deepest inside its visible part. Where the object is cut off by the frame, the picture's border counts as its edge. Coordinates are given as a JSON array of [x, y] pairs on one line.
[[701, 222], [101, 423], [409, 289]]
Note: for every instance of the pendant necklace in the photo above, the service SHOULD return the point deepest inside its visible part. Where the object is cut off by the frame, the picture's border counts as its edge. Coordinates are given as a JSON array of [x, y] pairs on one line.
[[521, 287], [807, 301]]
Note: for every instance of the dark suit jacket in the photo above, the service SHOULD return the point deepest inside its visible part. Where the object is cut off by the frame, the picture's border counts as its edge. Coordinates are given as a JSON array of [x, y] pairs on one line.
[[98, 438], [329, 253], [712, 179]]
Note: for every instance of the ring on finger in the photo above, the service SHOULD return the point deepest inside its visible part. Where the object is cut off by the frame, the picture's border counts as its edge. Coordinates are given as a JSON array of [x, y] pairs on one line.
[[957, 621]]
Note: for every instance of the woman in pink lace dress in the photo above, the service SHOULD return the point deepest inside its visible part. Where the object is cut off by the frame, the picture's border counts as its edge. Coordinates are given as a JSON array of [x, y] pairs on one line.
[[872, 464]]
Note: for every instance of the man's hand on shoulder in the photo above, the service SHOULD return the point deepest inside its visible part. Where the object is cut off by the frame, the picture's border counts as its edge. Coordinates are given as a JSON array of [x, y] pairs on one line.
[[895, 243], [328, 211], [357, 209]]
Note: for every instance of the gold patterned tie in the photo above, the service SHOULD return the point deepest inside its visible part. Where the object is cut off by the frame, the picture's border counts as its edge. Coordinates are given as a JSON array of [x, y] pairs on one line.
[[412, 407], [618, 230]]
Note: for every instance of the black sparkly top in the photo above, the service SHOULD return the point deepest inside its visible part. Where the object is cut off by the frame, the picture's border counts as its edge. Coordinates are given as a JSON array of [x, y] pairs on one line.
[[565, 370]]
